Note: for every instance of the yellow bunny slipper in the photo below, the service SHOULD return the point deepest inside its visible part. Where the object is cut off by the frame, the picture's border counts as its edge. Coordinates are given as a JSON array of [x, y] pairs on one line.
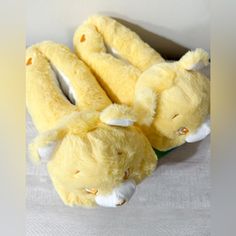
[[90, 162], [170, 99]]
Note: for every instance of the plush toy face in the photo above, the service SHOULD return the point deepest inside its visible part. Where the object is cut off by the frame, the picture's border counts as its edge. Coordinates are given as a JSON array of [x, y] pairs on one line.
[[171, 101], [182, 104], [101, 167], [90, 161]]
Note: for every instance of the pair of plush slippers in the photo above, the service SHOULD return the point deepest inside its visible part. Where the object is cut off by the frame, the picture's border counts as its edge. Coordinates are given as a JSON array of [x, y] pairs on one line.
[[100, 112]]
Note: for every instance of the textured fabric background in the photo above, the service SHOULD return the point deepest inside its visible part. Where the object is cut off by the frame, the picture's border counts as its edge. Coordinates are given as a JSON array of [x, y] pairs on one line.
[[174, 201]]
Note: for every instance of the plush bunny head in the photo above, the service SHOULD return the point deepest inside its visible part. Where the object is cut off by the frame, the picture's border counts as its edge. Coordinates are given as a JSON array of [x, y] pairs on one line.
[[92, 163], [172, 101]]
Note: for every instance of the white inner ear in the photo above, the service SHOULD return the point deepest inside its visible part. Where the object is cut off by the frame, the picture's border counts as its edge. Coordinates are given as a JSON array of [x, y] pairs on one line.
[[197, 66], [200, 133], [65, 85], [46, 152], [115, 53], [119, 195], [120, 122]]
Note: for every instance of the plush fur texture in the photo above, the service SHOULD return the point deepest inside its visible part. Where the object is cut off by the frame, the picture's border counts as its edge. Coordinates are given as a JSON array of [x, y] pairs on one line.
[[89, 157], [118, 77], [117, 112], [166, 97], [181, 99], [43, 93]]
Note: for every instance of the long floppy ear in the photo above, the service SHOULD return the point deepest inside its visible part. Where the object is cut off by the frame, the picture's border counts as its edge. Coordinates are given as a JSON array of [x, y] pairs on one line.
[[194, 60], [104, 44], [118, 115]]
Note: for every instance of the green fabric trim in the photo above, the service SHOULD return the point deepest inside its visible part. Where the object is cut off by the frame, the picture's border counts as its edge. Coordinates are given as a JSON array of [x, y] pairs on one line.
[[161, 154]]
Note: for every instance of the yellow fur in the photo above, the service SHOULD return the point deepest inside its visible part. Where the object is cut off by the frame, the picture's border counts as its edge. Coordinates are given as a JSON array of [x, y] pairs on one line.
[[89, 94], [88, 154], [116, 111], [111, 72], [190, 59], [138, 53], [165, 96], [182, 101], [101, 156]]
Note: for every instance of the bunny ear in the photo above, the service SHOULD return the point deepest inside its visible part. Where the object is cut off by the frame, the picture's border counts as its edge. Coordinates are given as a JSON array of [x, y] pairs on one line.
[[118, 115], [194, 60], [46, 151], [78, 123], [44, 145], [145, 104]]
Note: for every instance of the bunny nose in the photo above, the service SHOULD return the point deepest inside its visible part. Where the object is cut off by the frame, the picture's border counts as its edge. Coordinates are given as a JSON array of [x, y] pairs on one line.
[[119, 195], [200, 133]]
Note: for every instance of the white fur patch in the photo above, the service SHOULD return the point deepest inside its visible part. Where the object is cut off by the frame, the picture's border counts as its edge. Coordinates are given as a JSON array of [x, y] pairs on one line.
[[115, 53], [65, 85], [121, 194], [197, 66], [120, 122], [200, 133], [46, 152]]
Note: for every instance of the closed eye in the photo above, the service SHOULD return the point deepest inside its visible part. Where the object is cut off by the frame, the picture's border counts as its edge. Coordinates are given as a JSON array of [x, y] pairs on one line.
[[174, 116], [91, 191]]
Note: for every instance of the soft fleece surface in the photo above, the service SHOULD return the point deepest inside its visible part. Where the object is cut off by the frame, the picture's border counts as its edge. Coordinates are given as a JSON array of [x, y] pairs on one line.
[[174, 201]]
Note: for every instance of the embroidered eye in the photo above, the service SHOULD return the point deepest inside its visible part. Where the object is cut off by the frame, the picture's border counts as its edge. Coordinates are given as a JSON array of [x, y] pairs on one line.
[[119, 153], [174, 116], [127, 174], [182, 131], [77, 172], [82, 39], [29, 61], [91, 191]]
